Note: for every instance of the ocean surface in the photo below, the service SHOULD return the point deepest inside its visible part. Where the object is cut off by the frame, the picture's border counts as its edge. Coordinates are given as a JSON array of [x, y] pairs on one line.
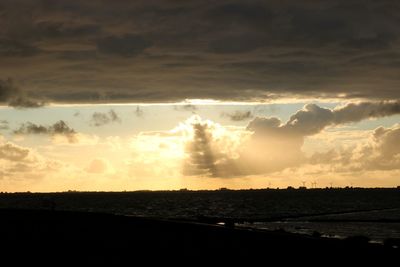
[[339, 213]]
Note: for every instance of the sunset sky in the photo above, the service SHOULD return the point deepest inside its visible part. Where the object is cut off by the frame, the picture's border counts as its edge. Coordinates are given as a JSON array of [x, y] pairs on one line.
[[161, 95]]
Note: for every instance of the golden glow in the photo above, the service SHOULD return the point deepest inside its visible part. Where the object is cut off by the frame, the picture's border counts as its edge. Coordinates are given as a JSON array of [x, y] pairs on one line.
[[224, 156]]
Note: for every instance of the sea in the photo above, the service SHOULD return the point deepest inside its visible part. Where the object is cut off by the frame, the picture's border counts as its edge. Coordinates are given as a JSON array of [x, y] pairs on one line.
[[329, 212]]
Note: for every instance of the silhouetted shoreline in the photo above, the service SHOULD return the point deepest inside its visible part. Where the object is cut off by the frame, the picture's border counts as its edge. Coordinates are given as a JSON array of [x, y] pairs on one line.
[[96, 227], [99, 238]]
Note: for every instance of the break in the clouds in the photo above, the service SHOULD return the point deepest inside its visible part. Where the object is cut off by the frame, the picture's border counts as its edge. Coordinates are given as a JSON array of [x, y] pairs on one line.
[[165, 51], [15, 97], [59, 128], [102, 118]]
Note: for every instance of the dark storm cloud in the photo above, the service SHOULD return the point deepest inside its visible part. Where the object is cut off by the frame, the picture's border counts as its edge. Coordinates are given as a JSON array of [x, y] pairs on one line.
[[22, 101], [238, 115], [100, 118], [156, 51], [240, 12], [58, 128], [236, 44], [14, 48], [127, 45], [13, 96], [53, 30]]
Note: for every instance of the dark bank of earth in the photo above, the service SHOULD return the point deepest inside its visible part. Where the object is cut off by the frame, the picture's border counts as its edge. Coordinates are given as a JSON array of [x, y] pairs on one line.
[[39, 235]]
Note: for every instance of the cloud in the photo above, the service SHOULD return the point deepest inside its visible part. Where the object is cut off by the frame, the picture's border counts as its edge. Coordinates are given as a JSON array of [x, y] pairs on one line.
[[16, 48], [98, 166], [272, 139], [238, 115], [154, 155], [15, 97], [355, 112], [100, 118], [186, 107], [4, 125], [59, 128], [312, 118], [78, 139], [236, 44], [380, 151], [22, 101], [24, 165], [210, 148], [139, 112], [386, 145], [241, 13], [129, 45], [291, 49], [273, 146], [201, 155], [196, 147], [12, 152]]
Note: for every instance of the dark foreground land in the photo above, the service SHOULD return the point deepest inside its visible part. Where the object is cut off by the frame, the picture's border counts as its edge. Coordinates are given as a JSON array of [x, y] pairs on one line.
[[65, 237], [181, 226]]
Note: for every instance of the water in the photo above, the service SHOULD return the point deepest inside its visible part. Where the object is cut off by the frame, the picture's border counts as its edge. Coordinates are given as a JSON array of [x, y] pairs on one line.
[[377, 225], [376, 231], [374, 213]]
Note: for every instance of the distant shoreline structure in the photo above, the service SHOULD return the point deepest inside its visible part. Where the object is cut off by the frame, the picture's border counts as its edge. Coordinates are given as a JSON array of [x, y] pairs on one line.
[[208, 190]]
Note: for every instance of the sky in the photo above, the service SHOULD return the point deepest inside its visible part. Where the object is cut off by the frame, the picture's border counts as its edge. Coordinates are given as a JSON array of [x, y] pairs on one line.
[[160, 95]]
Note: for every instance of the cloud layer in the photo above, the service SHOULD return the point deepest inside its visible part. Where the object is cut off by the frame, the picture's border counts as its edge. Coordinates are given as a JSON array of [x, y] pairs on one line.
[[13, 96], [227, 50]]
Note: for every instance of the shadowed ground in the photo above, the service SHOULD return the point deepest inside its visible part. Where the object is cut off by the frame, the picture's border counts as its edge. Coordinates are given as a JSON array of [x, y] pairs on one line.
[[72, 237]]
